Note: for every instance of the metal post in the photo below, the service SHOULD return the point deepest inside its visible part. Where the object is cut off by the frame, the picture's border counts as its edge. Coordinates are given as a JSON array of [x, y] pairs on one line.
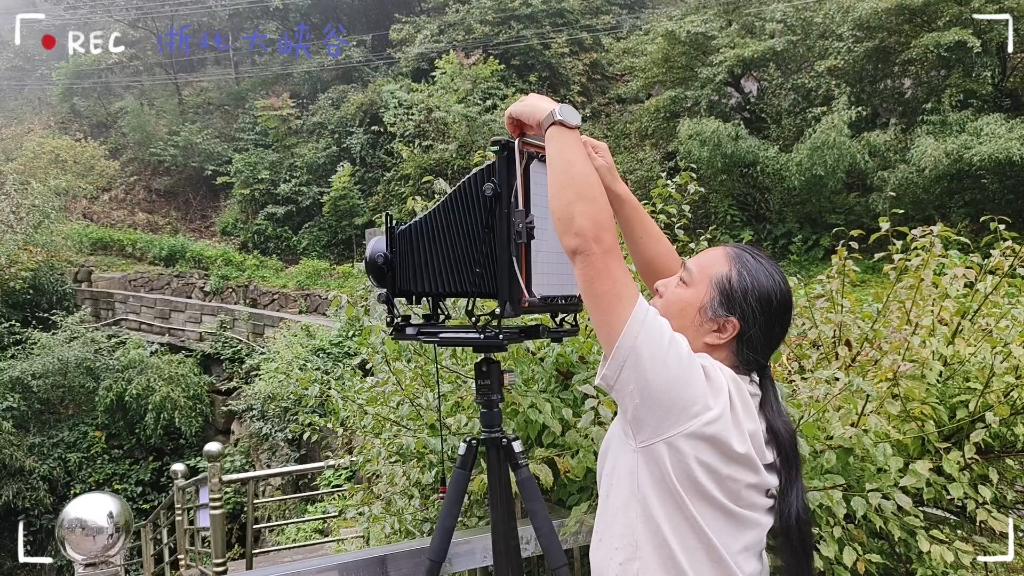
[[147, 549], [179, 472], [163, 543], [249, 511], [213, 452], [197, 537]]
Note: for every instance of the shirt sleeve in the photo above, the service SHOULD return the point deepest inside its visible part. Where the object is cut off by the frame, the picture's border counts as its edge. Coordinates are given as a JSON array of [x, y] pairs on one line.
[[658, 382]]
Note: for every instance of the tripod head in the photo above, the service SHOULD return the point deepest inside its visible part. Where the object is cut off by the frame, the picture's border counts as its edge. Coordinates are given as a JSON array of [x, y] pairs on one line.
[[490, 381]]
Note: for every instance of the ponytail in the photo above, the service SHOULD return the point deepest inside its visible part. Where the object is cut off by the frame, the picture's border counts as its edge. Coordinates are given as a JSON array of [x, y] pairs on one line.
[[792, 531], [757, 294]]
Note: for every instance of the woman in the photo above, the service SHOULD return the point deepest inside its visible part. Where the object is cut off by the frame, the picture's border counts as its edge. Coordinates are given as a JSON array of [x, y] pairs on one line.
[[701, 459]]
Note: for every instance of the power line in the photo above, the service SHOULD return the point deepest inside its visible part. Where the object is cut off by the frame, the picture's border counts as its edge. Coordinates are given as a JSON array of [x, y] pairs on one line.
[[166, 11], [478, 44], [63, 15], [228, 75], [423, 49], [365, 61]]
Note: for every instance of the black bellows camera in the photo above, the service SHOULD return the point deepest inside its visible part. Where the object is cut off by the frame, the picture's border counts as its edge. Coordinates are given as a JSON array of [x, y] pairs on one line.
[[491, 238]]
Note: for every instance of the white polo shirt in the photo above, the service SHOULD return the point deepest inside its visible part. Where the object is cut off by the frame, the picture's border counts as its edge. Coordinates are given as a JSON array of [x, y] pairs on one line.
[[686, 477]]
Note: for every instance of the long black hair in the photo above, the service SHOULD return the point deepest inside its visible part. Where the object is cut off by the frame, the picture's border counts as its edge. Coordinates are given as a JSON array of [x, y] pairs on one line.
[[757, 294]]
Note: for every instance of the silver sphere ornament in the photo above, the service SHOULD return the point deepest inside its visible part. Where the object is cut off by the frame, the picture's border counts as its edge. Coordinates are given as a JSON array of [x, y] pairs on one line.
[[94, 528]]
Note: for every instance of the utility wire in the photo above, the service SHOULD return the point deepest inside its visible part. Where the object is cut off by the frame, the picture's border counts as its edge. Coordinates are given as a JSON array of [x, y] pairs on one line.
[[168, 8], [366, 61], [285, 69], [423, 49], [369, 60]]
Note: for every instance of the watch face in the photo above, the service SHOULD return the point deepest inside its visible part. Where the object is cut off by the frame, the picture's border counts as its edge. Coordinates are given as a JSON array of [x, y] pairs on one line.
[[570, 115]]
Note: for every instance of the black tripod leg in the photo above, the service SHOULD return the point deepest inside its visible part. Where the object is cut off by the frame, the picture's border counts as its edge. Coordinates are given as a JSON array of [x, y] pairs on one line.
[[508, 557], [554, 554], [454, 498]]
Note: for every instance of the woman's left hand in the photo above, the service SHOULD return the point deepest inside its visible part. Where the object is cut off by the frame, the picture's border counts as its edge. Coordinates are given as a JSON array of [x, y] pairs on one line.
[[525, 116]]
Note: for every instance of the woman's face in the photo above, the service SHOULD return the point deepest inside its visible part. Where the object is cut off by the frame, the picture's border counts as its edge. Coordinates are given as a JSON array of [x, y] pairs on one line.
[[681, 298]]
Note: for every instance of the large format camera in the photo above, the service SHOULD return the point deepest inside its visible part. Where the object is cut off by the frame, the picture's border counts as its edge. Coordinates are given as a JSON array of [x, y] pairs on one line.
[[491, 238]]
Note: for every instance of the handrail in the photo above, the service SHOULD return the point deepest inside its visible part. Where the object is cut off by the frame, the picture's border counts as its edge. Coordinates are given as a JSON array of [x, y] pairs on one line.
[[168, 503], [180, 513], [286, 471], [300, 495], [194, 481]]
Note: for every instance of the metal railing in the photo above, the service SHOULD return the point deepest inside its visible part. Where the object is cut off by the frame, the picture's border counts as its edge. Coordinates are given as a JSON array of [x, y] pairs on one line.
[[251, 481], [173, 541]]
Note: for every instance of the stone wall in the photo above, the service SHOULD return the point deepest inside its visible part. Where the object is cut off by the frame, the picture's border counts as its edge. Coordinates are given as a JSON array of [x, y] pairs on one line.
[[181, 318], [196, 286]]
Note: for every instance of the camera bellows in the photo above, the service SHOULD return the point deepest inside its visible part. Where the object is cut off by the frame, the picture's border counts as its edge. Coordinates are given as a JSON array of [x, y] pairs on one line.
[[490, 238], [453, 245]]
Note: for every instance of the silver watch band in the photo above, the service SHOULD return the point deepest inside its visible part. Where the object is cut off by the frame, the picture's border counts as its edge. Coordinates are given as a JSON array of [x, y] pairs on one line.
[[555, 117]]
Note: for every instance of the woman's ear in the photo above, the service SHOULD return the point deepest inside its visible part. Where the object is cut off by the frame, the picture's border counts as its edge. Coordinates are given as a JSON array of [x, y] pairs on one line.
[[722, 331]]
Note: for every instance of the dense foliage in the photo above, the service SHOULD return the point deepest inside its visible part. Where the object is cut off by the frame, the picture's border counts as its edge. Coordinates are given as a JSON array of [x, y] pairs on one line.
[[797, 119], [801, 122], [904, 391], [84, 410]]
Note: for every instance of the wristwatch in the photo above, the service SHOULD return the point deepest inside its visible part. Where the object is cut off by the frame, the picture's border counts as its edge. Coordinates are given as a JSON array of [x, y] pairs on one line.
[[563, 114]]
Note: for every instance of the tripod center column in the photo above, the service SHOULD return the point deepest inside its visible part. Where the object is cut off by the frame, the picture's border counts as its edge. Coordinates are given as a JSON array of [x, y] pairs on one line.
[[490, 394]]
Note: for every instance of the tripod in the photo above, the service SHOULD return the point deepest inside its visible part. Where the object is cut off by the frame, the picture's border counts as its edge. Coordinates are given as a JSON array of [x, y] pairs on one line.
[[503, 452]]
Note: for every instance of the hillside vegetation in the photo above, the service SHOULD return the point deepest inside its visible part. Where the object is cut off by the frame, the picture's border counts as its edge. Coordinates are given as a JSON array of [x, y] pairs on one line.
[[875, 148]]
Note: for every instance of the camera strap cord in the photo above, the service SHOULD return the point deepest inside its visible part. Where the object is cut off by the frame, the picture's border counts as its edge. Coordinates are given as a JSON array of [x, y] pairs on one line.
[[440, 428]]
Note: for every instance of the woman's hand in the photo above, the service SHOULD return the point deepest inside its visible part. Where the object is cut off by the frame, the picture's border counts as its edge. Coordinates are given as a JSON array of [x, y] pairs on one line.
[[525, 116], [601, 158]]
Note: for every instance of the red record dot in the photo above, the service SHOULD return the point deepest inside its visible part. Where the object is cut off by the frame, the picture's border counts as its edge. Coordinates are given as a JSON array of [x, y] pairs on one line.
[[49, 42]]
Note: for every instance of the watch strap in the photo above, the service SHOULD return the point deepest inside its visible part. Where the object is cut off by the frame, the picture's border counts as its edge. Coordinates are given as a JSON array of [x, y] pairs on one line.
[[549, 120]]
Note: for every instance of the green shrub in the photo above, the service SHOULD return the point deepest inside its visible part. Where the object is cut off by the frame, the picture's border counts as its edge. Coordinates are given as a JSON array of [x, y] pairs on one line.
[[907, 399], [903, 387], [224, 264], [66, 166], [33, 290], [82, 409]]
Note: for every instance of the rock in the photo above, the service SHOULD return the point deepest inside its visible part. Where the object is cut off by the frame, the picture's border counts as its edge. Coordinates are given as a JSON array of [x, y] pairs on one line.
[[266, 298], [229, 296], [313, 302], [286, 301], [108, 281], [181, 292], [323, 307], [220, 416], [238, 430], [273, 306], [160, 283]]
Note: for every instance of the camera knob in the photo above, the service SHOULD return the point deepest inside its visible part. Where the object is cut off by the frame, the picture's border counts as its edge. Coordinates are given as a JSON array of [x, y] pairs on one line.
[[488, 189]]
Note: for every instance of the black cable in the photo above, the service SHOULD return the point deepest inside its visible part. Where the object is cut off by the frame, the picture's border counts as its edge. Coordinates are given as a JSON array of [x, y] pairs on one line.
[[440, 427]]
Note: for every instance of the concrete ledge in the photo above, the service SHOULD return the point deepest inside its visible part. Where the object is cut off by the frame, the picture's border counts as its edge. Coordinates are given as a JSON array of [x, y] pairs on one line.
[[470, 549]]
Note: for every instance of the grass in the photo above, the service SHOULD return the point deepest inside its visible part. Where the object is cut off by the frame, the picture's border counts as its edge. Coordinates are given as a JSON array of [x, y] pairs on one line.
[[121, 250]]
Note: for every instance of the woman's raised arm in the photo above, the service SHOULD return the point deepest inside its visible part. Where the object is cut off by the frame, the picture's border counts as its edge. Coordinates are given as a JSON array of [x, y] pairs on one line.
[[653, 253]]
